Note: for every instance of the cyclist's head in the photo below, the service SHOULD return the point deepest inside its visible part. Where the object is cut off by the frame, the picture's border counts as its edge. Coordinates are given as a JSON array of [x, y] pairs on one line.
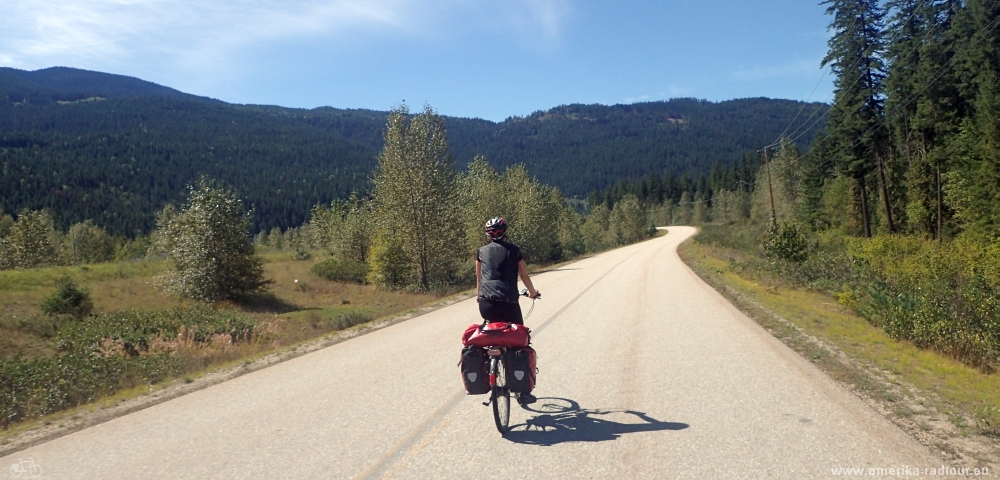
[[496, 228]]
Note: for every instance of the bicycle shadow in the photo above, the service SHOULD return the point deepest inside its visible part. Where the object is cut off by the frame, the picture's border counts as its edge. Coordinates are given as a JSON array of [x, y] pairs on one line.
[[562, 420]]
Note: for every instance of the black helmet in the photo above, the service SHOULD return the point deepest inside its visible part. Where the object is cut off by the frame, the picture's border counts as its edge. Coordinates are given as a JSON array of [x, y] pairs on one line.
[[496, 228]]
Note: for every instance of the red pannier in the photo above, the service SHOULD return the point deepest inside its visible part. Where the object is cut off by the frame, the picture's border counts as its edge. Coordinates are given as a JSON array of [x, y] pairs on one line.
[[497, 334]]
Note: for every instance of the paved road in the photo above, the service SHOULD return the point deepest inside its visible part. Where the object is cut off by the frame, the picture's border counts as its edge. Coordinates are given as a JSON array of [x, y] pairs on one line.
[[645, 372]]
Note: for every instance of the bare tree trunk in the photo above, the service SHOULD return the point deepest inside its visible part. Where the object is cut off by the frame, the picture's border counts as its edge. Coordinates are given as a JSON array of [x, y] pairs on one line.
[[940, 203], [885, 194], [741, 205], [866, 223]]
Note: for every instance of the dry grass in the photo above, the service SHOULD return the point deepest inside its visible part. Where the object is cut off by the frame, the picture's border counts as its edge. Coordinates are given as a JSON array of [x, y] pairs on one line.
[[299, 306]]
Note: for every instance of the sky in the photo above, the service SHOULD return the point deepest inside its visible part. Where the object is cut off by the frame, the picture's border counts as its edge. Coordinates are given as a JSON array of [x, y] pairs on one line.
[[489, 59]]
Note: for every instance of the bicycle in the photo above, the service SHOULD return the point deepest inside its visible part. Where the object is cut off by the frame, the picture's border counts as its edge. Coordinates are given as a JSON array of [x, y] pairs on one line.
[[499, 391]]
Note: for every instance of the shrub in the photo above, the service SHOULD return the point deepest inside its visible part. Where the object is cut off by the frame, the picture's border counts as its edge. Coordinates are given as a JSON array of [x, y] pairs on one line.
[[940, 296], [348, 320], [87, 243], [341, 270], [32, 388], [786, 241], [105, 353], [209, 253], [126, 249], [68, 300], [389, 266]]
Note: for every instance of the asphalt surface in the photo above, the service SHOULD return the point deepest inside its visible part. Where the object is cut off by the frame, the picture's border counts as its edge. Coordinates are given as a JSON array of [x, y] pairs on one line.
[[645, 372]]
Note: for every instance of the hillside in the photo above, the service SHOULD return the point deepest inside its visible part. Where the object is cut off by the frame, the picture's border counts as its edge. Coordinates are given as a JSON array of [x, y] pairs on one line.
[[115, 149], [67, 84]]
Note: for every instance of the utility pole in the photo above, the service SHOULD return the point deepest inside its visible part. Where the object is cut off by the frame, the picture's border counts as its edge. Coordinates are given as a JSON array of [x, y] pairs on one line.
[[770, 191]]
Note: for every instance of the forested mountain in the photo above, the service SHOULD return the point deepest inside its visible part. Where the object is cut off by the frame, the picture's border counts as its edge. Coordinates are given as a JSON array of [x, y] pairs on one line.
[[67, 84], [580, 148], [115, 149]]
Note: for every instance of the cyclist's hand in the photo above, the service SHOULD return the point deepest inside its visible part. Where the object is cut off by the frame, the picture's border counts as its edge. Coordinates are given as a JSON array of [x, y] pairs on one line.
[[535, 294]]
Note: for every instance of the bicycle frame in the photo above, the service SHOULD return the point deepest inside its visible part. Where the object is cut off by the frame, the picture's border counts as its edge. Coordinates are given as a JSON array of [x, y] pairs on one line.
[[496, 356]]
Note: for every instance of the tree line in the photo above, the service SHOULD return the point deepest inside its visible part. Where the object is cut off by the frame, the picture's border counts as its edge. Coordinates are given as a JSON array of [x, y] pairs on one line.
[[417, 228], [893, 208], [116, 158], [911, 139], [423, 221]]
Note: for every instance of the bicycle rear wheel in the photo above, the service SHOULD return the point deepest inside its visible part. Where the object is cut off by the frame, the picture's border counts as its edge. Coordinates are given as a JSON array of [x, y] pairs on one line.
[[501, 398]]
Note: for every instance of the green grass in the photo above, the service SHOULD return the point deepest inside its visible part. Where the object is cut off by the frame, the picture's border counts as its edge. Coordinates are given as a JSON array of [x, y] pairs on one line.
[[975, 393], [26, 280]]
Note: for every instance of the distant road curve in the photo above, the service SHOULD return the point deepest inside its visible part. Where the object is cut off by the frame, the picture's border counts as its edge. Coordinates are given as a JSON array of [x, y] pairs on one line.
[[645, 371]]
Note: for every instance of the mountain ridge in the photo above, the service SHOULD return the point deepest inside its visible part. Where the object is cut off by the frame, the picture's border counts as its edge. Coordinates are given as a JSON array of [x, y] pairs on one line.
[[118, 160]]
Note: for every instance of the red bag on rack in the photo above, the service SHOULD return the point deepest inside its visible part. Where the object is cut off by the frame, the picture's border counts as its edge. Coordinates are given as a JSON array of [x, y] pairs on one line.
[[497, 334]]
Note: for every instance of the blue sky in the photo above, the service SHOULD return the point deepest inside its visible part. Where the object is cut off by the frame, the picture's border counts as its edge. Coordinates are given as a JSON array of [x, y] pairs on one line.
[[472, 58]]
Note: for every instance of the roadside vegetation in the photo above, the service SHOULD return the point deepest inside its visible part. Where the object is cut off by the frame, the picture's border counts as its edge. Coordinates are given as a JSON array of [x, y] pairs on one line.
[[891, 215], [84, 315]]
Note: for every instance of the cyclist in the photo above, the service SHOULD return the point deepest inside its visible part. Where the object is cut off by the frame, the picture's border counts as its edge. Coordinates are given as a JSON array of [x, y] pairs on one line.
[[498, 265]]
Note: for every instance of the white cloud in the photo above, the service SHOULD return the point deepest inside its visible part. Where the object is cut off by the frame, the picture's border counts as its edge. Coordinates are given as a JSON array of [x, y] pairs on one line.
[[191, 34]]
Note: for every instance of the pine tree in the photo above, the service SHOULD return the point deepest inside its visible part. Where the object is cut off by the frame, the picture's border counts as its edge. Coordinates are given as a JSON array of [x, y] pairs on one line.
[[855, 57], [786, 173], [684, 211], [817, 168]]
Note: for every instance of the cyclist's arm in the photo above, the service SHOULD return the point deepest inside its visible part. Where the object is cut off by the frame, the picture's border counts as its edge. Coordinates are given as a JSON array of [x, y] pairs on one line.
[[479, 276], [522, 271]]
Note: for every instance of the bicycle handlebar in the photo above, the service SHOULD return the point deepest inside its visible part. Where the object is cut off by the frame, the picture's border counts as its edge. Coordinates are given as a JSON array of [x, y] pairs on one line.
[[524, 293]]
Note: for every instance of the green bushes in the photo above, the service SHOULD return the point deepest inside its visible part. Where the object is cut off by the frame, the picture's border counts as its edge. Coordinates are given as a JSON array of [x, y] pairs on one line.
[[940, 296], [341, 270], [209, 255], [786, 241], [68, 300], [31, 388], [347, 320], [103, 354], [136, 332]]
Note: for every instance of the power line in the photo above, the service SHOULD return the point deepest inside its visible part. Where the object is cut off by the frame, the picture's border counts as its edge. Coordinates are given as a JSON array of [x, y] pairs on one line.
[[940, 72], [777, 141], [912, 50]]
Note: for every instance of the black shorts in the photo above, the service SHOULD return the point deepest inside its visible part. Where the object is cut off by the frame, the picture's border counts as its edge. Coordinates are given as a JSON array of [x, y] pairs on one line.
[[497, 311]]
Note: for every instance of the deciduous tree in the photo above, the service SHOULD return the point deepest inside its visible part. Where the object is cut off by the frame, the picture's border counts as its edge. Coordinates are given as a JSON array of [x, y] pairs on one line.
[[208, 248]]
